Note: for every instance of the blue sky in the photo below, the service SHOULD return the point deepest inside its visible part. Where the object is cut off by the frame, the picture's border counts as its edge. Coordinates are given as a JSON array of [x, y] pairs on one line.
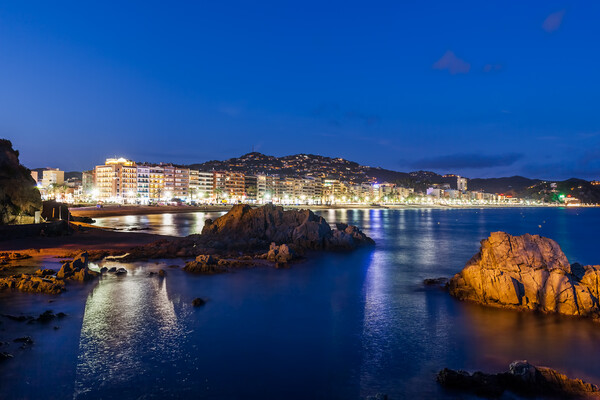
[[477, 88]]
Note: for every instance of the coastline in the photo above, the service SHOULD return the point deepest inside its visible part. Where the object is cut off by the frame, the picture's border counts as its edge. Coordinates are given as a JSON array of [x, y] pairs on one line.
[[84, 238], [116, 210]]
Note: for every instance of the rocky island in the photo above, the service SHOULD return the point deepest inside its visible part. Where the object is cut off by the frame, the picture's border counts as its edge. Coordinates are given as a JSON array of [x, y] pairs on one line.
[[248, 236], [528, 272]]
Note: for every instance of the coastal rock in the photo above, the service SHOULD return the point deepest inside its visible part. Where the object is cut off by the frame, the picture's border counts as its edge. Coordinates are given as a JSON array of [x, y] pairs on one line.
[[45, 272], [248, 232], [528, 272], [205, 264], [197, 302], [33, 284], [162, 273], [245, 227], [77, 269], [7, 257], [19, 196], [280, 254], [522, 378]]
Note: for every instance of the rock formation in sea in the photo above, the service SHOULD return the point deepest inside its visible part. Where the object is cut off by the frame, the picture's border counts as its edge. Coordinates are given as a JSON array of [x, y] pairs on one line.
[[19, 196], [522, 379], [245, 227], [245, 235], [50, 282], [528, 272]]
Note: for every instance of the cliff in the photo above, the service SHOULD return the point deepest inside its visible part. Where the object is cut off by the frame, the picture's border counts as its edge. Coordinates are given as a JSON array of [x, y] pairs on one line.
[[19, 197], [528, 272]]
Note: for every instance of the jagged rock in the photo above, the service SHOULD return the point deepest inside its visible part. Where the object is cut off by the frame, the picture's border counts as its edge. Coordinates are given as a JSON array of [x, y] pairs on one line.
[[24, 340], [528, 272], [47, 316], [280, 254], [45, 272], [19, 196], [522, 378], [245, 227], [13, 256], [197, 302], [246, 231], [205, 264], [33, 284], [77, 269]]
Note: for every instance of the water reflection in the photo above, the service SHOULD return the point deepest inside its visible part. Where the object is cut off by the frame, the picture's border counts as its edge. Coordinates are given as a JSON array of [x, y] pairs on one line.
[[172, 224], [130, 326]]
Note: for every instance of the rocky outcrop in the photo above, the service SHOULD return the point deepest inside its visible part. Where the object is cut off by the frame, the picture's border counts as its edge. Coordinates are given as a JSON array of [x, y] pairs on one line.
[[522, 378], [77, 269], [245, 234], [19, 196], [33, 284], [205, 264], [280, 254], [528, 272], [245, 227]]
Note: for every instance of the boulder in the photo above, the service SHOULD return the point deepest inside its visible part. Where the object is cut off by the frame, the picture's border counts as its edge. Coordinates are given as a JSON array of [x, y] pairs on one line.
[[162, 273], [77, 269], [19, 196], [522, 378], [197, 302], [528, 272], [280, 254]]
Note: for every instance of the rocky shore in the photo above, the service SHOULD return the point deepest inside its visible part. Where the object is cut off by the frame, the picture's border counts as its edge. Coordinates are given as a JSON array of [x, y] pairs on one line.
[[522, 379], [528, 272], [50, 281]]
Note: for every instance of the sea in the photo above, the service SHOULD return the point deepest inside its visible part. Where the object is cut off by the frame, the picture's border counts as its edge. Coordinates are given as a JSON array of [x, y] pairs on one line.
[[334, 326]]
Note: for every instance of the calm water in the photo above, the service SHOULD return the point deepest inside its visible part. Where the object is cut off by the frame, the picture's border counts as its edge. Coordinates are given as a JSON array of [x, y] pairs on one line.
[[340, 326]]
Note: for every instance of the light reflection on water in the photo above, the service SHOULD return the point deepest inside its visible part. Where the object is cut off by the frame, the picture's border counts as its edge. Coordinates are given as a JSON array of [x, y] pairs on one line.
[[340, 325], [171, 224], [130, 327]]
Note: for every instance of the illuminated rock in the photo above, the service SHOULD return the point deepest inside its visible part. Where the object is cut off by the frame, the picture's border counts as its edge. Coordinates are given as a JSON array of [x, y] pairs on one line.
[[19, 196], [528, 272]]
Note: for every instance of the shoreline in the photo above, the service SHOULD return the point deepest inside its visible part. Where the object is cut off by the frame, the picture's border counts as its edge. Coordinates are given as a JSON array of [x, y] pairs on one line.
[[83, 238], [118, 211]]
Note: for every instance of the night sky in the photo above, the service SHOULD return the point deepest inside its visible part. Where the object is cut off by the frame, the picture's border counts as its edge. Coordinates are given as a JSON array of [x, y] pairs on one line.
[[482, 88]]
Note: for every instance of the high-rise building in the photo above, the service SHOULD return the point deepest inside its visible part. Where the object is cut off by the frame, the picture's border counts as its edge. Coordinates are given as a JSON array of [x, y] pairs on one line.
[[156, 187], [143, 183], [461, 184], [116, 180], [52, 176]]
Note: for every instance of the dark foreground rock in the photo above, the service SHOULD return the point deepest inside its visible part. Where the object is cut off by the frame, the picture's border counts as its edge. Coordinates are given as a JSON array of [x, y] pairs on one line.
[[245, 235], [19, 196], [198, 302], [528, 272], [522, 379]]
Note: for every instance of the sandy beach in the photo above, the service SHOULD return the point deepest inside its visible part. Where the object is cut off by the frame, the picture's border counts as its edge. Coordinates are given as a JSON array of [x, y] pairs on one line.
[[84, 237]]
